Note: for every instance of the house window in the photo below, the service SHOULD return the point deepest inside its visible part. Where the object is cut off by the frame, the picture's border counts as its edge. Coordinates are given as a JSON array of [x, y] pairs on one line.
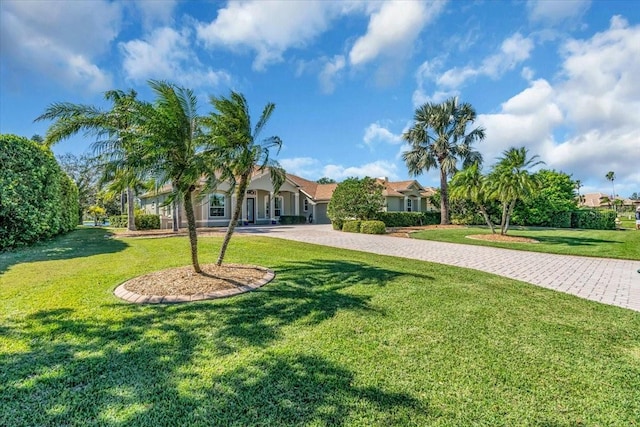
[[216, 205], [277, 206], [306, 205], [409, 205]]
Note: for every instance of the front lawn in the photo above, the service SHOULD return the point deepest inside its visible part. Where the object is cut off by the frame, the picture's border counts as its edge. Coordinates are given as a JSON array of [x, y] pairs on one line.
[[621, 244], [338, 338]]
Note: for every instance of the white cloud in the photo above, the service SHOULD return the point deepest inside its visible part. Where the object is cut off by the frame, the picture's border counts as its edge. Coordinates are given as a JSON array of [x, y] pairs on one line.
[[61, 40], [513, 51], [377, 133], [587, 123], [166, 54], [155, 12], [330, 72], [375, 169], [305, 167], [553, 12], [268, 28], [393, 29]]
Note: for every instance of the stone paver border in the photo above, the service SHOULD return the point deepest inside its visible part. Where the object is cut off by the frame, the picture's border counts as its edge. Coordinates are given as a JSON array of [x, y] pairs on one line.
[[132, 297]]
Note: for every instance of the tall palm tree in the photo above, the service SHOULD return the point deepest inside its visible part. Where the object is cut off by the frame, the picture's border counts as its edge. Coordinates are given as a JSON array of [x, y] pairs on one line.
[[511, 180], [611, 176], [578, 186], [470, 184], [174, 151], [241, 152], [438, 139], [112, 129]]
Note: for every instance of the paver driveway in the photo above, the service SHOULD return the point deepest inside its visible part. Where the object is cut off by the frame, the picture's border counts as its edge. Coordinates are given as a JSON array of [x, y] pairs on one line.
[[610, 281]]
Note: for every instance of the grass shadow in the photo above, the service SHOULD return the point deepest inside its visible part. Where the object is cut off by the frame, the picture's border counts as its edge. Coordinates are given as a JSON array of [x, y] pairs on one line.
[[573, 241], [81, 242], [153, 368]]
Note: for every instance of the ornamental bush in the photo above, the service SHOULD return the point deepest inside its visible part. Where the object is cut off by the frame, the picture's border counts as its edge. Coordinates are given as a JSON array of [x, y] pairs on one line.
[[593, 219], [372, 227], [352, 226], [37, 199], [143, 221], [408, 219], [292, 219]]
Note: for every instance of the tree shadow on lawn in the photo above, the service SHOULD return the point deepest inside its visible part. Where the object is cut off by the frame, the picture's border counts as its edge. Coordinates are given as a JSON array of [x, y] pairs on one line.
[[81, 242], [157, 365], [572, 241]]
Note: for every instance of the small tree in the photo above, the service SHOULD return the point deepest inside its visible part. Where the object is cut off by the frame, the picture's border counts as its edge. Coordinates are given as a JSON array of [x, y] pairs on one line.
[[511, 181], [97, 213], [325, 180], [356, 198], [470, 184]]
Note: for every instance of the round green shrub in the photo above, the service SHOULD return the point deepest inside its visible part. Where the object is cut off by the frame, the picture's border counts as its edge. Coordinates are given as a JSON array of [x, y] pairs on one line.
[[372, 227], [352, 226]]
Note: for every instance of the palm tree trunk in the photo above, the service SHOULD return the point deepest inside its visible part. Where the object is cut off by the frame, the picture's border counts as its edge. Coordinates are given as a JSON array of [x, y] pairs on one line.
[[131, 219], [511, 206], [175, 217], [487, 219], [444, 198], [240, 190], [191, 225], [503, 220]]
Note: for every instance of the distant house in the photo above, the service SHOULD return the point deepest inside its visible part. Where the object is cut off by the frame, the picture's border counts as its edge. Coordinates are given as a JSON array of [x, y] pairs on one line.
[[406, 196], [594, 200], [297, 196]]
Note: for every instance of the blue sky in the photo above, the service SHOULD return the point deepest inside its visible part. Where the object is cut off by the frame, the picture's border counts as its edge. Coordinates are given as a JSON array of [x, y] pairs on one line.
[[559, 77]]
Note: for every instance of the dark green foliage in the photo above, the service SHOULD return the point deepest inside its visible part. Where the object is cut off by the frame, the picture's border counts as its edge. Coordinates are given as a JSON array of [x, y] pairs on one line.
[[372, 227], [292, 219], [143, 222], [337, 224], [147, 222], [593, 219], [356, 199], [408, 219], [37, 199], [352, 226], [551, 205], [118, 221]]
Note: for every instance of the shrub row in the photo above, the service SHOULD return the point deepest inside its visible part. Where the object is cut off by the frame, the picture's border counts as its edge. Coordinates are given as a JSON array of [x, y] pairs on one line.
[[38, 200], [143, 222], [593, 219], [366, 227], [408, 219], [292, 219]]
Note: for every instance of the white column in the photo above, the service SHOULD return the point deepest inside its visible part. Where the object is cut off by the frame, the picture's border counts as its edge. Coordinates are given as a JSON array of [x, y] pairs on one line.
[[419, 204], [272, 206], [296, 209], [313, 210], [405, 203]]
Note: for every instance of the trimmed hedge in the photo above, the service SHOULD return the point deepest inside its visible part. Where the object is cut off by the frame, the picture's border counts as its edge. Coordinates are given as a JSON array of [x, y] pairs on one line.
[[352, 226], [337, 224], [38, 200], [143, 222], [593, 219], [292, 219], [408, 219], [372, 227]]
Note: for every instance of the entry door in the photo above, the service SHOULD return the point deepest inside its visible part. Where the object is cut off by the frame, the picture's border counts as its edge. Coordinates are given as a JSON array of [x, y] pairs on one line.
[[251, 210]]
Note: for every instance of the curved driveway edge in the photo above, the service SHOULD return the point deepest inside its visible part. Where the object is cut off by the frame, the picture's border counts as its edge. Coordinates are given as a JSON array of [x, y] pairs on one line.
[[609, 281]]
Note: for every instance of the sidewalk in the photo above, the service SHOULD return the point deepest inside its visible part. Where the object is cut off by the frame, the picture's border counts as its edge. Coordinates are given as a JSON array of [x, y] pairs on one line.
[[609, 281]]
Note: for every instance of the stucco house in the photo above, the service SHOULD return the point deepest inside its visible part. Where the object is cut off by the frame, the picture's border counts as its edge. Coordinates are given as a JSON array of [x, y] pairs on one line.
[[296, 197]]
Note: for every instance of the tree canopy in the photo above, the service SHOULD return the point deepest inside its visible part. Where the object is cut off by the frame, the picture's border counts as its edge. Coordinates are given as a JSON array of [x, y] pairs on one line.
[[356, 198], [438, 139]]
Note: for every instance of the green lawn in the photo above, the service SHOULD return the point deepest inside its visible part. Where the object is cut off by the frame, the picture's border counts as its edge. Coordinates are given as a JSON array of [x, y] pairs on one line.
[[621, 244], [338, 338]]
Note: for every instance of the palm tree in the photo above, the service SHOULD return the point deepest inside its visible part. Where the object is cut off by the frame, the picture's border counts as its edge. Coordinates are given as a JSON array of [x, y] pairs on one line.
[[470, 184], [438, 138], [112, 128], [241, 154], [174, 151], [611, 176], [578, 185], [510, 180]]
